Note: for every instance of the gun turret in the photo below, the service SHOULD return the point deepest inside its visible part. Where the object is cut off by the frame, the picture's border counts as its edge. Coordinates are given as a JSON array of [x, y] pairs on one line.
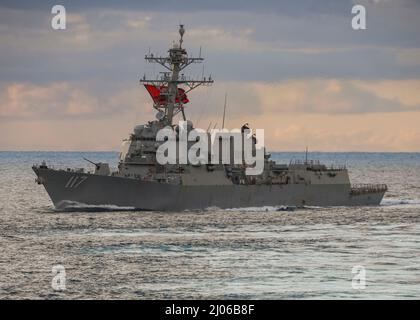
[[100, 168]]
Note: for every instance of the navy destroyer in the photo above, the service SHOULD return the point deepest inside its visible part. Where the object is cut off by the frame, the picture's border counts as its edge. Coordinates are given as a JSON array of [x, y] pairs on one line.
[[141, 182]]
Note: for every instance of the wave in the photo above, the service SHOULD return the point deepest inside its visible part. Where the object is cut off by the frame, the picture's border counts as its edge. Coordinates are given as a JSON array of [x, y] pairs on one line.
[[400, 202], [73, 206], [258, 209]]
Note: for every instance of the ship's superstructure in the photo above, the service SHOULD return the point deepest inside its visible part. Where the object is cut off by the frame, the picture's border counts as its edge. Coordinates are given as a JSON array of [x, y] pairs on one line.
[[142, 182]]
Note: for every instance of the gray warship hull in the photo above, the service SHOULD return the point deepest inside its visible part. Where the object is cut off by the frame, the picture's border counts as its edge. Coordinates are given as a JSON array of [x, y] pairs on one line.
[[69, 188], [159, 167]]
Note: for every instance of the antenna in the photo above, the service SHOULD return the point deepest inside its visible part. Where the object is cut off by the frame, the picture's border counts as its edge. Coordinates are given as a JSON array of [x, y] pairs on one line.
[[224, 111], [181, 33]]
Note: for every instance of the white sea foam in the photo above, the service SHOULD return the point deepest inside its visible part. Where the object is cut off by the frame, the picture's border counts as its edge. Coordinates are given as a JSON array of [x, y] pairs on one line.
[[400, 202], [74, 205], [262, 209]]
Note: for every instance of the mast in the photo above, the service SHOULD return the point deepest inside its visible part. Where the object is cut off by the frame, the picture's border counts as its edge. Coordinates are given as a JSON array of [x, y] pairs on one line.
[[224, 111], [169, 82]]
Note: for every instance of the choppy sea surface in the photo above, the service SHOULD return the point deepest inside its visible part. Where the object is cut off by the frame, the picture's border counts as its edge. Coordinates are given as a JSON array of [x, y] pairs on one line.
[[249, 253]]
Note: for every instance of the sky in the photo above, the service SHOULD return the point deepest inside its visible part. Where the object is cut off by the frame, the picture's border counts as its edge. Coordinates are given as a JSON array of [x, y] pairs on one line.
[[294, 68]]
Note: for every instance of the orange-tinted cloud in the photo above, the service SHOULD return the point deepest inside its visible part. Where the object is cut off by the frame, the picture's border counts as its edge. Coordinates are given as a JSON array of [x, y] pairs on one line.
[[64, 100], [326, 115]]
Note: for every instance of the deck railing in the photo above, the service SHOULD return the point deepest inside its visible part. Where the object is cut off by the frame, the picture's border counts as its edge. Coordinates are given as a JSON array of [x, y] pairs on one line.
[[317, 164], [368, 188]]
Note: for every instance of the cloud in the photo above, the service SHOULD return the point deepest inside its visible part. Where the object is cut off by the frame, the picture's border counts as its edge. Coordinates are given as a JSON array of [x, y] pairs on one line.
[[308, 96], [397, 132], [180, 6], [23, 101], [101, 99], [314, 112], [410, 57], [139, 23], [327, 97], [296, 68], [405, 92], [240, 45]]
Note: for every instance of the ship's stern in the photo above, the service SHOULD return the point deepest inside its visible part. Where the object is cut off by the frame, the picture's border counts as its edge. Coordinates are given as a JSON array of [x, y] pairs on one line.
[[367, 194]]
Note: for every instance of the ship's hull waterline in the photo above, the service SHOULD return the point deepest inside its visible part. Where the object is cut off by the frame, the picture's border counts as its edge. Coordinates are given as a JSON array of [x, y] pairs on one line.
[[67, 188]]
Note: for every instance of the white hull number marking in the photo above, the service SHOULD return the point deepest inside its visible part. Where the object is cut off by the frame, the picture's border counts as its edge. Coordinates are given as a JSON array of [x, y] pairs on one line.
[[75, 181]]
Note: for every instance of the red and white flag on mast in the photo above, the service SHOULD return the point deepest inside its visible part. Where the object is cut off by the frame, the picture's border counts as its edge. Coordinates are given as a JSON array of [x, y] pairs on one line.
[[158, 94]]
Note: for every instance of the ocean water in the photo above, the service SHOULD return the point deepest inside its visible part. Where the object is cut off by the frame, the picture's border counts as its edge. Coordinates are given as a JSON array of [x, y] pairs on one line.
[[250, 253]]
